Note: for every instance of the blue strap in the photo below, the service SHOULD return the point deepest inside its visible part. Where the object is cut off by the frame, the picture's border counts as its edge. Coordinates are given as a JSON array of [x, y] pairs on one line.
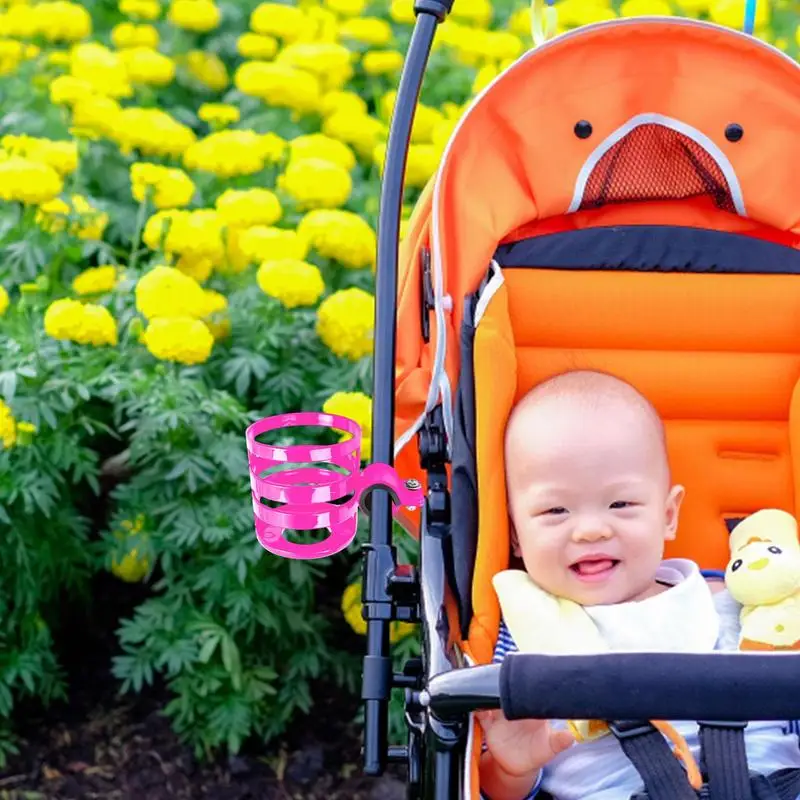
[[750, 16]]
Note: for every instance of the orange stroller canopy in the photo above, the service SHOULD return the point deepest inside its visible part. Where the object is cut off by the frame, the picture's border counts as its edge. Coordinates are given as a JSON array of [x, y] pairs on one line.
[[608, 129]]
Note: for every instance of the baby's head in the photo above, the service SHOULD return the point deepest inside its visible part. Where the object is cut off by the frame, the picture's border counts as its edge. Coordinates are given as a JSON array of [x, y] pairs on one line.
[[589, 488]]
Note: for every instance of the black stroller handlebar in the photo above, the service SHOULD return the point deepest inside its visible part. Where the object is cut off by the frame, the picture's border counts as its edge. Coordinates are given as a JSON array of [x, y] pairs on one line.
[[720, 686]]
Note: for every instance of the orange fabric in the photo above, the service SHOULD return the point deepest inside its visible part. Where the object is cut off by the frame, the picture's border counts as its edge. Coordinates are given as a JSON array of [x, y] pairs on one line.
[[719, 355]]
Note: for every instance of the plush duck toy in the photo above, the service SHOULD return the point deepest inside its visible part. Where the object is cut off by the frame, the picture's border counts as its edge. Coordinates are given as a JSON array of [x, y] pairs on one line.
[[763, 574]]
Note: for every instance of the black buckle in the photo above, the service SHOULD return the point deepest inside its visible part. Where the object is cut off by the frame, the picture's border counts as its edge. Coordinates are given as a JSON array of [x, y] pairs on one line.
[[630, 728], [428, 298]]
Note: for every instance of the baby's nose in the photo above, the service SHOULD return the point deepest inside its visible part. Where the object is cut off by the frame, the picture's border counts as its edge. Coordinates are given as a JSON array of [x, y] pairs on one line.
[[590, 530]]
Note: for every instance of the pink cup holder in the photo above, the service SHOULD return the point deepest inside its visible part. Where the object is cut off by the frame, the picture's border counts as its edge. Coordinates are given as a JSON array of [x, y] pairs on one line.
[[308, 493]]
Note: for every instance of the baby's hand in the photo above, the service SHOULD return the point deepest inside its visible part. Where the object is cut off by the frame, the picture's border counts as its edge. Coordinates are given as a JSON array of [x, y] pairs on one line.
[[522, 747]]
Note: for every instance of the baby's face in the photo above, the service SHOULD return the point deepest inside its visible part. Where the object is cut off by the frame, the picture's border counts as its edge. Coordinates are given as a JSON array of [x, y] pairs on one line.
[[590, 501]]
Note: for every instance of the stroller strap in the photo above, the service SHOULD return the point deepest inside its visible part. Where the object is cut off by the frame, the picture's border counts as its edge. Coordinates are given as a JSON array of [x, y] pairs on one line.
[[724, 761]]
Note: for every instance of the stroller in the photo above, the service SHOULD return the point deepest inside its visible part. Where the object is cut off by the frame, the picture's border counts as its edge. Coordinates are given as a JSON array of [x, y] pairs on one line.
[[619, 199]]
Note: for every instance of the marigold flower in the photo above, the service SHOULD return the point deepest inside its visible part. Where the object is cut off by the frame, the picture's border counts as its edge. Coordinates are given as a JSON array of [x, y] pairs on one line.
[[262, 243], [8, 426], [209, 69], [128, 34], [26, 181], [71, 320], [340, 235], [90, 223], [169, 187], [152, 132], [315, 183], [4, 300], [247, 207], [168, 292], [367, 30], [278, 19], [96, 280], [355, 406], [345, 322], [382, 62], [219, 113], [144, 9], [255, 45], [147, 66], [291, 281], [280, 85], [199, 16], [62, 156], [228, 153], [181, 339], [194, 234], [317, 145]]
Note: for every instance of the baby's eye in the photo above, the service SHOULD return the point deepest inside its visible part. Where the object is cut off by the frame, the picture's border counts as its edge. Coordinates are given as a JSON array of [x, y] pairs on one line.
[[621, 504], [556, 510]]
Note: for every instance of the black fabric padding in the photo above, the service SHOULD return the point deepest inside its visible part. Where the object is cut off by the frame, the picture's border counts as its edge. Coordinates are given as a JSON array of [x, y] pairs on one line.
[[726, 687], [656, 248]]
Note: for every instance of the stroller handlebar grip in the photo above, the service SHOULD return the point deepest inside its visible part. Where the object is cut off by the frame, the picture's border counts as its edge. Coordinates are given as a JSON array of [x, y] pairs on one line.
[[719, 686]]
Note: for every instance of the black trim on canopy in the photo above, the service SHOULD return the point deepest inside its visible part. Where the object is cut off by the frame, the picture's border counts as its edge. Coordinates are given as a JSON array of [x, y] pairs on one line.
[[652, 248]]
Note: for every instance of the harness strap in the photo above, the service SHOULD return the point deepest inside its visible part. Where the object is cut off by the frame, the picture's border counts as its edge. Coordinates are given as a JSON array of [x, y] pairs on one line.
[[781, 785], [725, 760], [654, 760]]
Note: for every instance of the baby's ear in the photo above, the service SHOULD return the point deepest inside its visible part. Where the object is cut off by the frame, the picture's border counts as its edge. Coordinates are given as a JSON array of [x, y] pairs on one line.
[[672, 511]]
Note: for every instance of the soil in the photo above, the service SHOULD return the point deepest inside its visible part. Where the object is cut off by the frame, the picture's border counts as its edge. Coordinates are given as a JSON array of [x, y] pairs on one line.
[[106, 747]]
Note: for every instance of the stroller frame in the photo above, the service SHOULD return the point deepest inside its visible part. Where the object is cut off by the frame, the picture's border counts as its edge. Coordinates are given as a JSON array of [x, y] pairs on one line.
[[441, 689]]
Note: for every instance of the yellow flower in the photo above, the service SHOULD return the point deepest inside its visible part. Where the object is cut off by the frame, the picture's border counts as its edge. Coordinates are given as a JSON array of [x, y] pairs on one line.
[[199, 16], [477, 12], [144, 9], [278, 19], [62, 156], [4, 300], [638, 8], [731, 13], [8, 426], [95, 280], [25, 433], [367, 30], [152, 132], [291, 281], [355, 406], [194, 234], [256, 45], [351, 608], [127, 34], [208, 68], [361, 132], [71, 320], [247, 207], [423, 161], [53, 21], [343, 101], [168, 292], [402, 11], [279, 85], [228, 153], [127, 562], [53, 215], [261, 243], [27, 181], [330, 62], [219, 113], [171, 188], [181, 339], [382, 62], [148, 66], [94, 115], [198, 268], [102, 68], [575, 13], [340, 235], [347, 8], [345, 322], [66, 90], [319, 146], [315, 183]]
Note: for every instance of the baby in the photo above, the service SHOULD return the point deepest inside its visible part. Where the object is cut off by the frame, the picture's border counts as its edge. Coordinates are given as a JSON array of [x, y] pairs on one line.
[[592, 503]]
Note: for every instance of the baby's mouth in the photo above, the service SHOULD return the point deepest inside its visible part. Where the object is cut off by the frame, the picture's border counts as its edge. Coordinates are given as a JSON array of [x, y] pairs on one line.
[[594, 566]]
